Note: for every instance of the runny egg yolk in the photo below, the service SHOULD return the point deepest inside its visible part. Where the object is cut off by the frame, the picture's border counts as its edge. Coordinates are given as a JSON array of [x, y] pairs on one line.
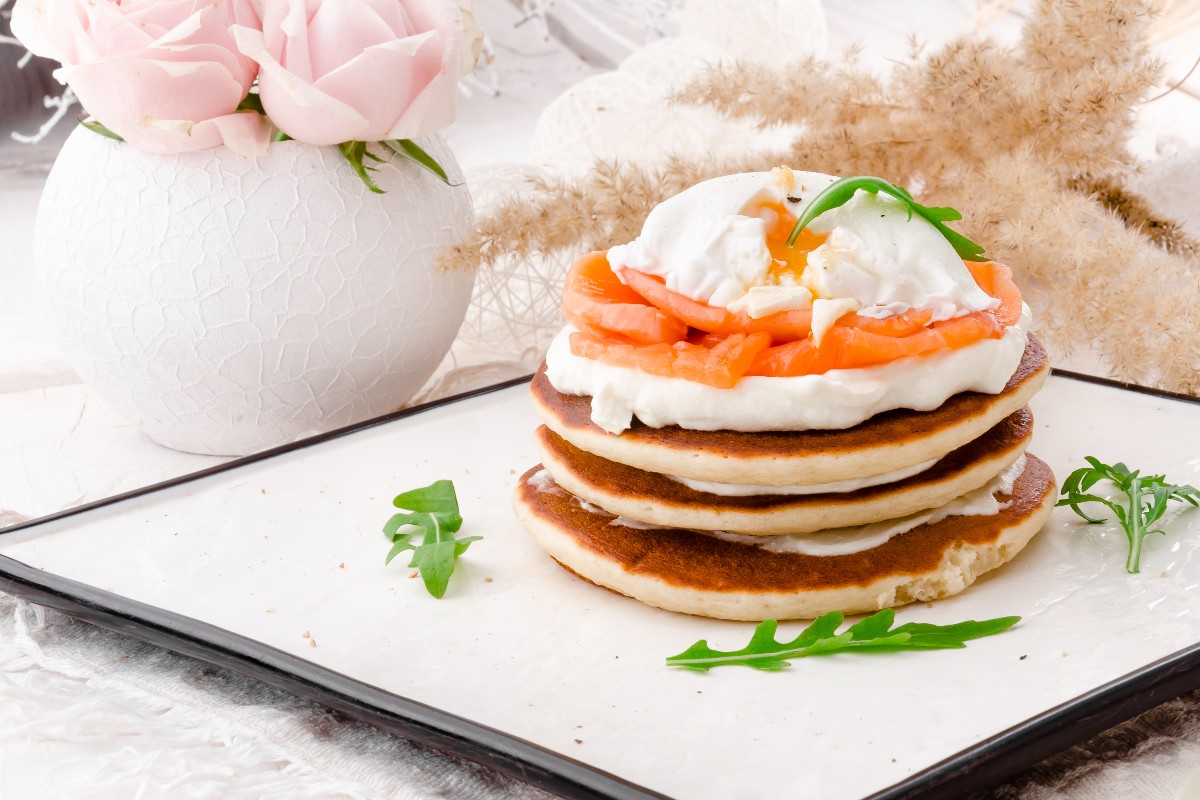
[[789, 262]]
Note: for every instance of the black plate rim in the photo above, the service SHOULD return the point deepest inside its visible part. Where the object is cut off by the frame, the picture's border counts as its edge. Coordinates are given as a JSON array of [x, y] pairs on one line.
[[980, 766]]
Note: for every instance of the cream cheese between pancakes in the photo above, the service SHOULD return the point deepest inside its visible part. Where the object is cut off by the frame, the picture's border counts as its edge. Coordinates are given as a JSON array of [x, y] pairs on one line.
[[840, 398], [980, 502], [844, 541], [835, 487]]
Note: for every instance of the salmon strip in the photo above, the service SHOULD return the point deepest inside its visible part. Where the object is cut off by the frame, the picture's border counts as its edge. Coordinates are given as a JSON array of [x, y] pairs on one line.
[[595, 299], [641, 324], [905, 324], [721, 366], [1006, 291], [603, 334], [847, 347], [983, 272], [783, 326], [790, 360]]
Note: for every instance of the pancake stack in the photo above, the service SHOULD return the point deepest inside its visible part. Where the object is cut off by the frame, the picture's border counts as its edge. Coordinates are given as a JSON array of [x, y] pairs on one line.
[[753, 526]]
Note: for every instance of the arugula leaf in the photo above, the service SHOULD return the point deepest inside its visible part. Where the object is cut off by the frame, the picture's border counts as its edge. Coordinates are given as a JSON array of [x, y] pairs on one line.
[[840, 191], [438, 498], [432, 513], [1146, 500], [821, 638]]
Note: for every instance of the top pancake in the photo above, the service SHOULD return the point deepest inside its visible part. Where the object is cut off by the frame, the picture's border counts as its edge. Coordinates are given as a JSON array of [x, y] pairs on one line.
[[887, 442]]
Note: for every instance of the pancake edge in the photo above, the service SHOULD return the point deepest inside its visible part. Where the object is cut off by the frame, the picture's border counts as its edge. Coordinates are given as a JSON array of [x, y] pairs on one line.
[[783, 514], [821, 466], [961, 563]]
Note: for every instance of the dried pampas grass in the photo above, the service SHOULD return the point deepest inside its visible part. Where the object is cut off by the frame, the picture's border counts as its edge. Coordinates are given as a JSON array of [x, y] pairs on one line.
[[1029, 142]]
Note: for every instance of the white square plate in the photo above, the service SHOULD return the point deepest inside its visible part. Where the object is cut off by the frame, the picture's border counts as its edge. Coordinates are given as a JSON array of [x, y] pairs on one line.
[[274, 566]]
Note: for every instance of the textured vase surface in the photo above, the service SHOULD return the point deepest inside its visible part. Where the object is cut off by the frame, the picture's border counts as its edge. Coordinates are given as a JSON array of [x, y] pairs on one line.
[[228, 304]]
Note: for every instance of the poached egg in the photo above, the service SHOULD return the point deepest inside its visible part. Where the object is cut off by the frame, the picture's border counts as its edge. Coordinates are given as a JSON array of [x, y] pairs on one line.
[[723, 242]]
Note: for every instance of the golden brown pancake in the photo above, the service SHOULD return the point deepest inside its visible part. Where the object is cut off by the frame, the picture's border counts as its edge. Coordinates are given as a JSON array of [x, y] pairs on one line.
[[658, 500], [695, 573], [887, 442]]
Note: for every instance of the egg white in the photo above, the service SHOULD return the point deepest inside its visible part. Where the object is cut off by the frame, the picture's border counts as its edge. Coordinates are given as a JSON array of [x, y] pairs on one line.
[[708, 244]]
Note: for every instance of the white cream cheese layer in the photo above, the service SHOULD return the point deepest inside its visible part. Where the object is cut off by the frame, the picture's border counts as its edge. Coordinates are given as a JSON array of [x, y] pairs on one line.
[[836, 487], [844, 541], [836, 399]]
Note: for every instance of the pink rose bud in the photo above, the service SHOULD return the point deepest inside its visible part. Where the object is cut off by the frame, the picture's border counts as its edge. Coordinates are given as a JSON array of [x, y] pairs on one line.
[[162, 74], [334, 71]]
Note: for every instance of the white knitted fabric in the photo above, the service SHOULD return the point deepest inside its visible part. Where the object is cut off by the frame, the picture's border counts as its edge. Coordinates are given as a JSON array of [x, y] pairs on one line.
[[89, 713]]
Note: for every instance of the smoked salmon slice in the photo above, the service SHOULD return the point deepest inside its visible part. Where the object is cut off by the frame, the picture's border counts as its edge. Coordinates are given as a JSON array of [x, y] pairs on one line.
[[996, 280], [721, 366], [595, 299], [641, 324], [848, 347], [783, 326]]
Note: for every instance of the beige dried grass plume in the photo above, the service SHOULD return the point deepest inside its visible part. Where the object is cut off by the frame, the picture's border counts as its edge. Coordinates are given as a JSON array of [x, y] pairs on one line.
[[1029, 141]]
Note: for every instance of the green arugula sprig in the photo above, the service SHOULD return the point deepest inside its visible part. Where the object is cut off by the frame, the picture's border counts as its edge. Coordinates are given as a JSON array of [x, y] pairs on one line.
[[1146, 500], [874, 633], [840, 191], [430, 512]]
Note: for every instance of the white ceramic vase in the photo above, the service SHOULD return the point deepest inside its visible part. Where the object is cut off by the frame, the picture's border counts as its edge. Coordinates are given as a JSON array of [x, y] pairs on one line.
[[227, 304]]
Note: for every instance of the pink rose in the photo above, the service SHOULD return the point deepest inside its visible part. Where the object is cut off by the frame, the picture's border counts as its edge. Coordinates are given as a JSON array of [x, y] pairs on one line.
[[334, 71], [163, 74]]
